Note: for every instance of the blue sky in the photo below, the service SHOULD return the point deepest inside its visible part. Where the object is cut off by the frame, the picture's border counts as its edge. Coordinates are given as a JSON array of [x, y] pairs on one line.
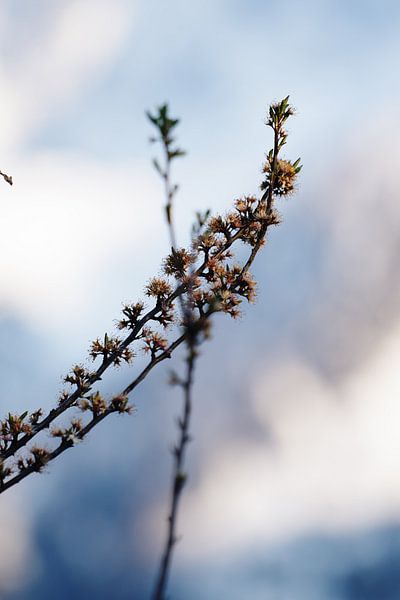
[[300, 434]]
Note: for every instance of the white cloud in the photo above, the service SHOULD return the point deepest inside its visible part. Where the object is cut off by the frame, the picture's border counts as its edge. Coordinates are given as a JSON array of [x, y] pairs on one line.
[[68, 223], [68, 220]]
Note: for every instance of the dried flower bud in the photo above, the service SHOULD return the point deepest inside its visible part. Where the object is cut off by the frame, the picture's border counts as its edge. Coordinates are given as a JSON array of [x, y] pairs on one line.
[[95, 403], [111, 349], [158, 288], [5, 472], [35, 416], [80, 377], [121, 405], [153, 342], [41, 457], [177, 263], [131, 313], [285, 175]]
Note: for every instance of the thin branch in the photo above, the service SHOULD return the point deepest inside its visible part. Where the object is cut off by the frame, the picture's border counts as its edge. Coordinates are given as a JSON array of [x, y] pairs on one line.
[[166, 354], [71, 399], [65, 445], [7, 178], [179, 478], [165, 125]]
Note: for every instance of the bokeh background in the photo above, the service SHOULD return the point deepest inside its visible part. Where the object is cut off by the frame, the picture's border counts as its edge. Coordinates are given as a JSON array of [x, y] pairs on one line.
[[294, 487]]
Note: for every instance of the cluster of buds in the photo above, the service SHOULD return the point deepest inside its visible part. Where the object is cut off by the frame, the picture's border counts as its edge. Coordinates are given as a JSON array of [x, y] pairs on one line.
[[79, 377], [5, 472], [36, 461], [99, 407], [178, 262], [131, 315], [228, 284], [165, 314], [161, 289], [244, 223], [111, 349], [280, 175], [95, 403], [153, 342], [13, 426], [285, 175], [120, 404], [70, 435], [158, 288]]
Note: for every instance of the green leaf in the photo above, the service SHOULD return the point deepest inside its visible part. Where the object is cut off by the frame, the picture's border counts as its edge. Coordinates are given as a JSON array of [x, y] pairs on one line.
[[176, 153], [152, 118]]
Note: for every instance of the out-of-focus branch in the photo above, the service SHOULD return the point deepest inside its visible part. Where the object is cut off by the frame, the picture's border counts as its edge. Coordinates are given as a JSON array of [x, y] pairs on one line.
[[277, 116], [165, 125], [179, 476], [7, 178]]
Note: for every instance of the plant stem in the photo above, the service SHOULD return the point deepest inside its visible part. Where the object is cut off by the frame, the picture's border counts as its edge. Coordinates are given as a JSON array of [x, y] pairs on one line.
[[179, 479]]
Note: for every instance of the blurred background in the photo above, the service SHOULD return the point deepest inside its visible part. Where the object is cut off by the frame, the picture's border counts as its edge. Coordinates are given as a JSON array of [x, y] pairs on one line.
[[294, 487]]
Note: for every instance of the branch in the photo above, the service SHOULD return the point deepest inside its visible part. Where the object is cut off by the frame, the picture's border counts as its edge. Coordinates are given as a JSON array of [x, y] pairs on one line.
[[215, 285], [7, 178], [179, 477], [117, 405], [165, 125]]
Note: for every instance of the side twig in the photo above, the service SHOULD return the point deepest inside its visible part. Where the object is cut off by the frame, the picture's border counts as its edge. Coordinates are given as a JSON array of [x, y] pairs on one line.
[[7, 178]]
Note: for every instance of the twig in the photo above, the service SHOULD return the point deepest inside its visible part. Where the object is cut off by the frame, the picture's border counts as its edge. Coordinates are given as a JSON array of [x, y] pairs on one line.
[[179, 478], [7, 178]]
